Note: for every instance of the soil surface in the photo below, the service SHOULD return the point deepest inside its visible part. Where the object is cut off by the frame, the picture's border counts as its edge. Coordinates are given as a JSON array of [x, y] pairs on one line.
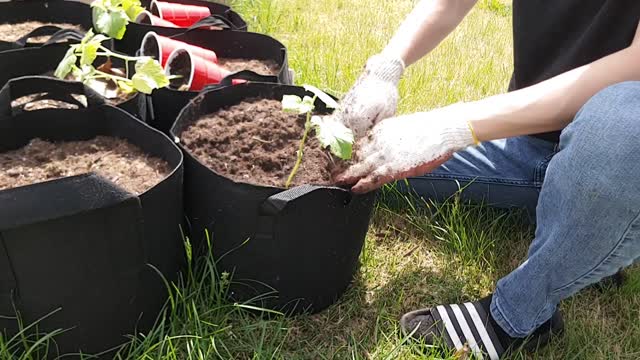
[[262, 67], [256, 142], [124, 164], [39, 102], [14, 31]]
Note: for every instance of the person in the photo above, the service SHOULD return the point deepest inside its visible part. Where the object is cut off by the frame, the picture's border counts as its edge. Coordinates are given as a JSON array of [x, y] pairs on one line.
[[564, 142]]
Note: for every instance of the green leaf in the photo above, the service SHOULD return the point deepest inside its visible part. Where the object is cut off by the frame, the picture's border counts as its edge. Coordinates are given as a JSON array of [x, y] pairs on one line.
[[293, 103], [126, 86], [324, 97], [67, 64], [132, 8], [89, 49], [335, 135], [112, 22], [149, 75]]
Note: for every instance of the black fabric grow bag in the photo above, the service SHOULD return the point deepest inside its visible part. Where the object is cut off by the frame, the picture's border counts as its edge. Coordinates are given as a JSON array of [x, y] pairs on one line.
[[59, 11], [167, 103], [81, 244], [303, 242], [36, 61], [222, 16]]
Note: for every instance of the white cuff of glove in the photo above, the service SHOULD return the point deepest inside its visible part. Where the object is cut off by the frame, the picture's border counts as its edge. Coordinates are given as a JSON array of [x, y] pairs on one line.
[[459, 135], [385, 68]]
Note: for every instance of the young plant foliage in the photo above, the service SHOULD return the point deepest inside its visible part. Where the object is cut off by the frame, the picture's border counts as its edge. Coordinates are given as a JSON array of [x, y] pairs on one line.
[[149, 73], [111, 17], [331, 133]]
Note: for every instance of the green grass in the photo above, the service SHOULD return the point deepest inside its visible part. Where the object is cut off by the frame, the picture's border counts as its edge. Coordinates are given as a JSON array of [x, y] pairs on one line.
[[413, 257]]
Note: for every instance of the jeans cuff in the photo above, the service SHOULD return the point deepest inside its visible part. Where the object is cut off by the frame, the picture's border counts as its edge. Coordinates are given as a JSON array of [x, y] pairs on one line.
[[501, 318]]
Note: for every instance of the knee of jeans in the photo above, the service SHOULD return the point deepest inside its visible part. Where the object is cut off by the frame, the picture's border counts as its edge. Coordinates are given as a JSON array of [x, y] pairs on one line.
[[608, 121]]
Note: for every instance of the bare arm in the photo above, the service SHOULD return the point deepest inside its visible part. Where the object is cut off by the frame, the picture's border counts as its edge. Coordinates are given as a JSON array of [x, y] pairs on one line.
[[426, 26], [552, 104]]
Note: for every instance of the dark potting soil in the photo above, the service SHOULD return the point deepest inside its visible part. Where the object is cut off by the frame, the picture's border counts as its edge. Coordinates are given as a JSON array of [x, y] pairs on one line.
[[256, 142], [262, 67], [181, 66], [14, 31], [124, 164]]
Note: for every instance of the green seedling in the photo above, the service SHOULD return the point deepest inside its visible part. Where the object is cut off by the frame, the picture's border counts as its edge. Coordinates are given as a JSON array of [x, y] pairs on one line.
[[331, 133], [79, 59], [111, 17]]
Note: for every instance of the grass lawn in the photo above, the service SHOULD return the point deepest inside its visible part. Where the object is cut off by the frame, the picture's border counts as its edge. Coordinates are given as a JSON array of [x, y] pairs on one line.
[[413, 258]]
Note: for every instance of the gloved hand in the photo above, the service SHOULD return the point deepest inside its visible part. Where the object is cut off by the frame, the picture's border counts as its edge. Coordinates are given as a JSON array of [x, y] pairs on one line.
[[374, 96], [405, 146]]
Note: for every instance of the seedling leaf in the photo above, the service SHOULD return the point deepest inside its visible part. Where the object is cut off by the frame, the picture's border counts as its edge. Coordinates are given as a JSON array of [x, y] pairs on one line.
[[133, 8], [89, 48], [335, 135], [112, 22], [149, 75], [67, 64], [293, 103], [326, 99]]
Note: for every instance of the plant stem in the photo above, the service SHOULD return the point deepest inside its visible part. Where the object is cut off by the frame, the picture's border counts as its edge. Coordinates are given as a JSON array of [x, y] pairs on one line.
[[102, 74], [108, 52], [307, 127]]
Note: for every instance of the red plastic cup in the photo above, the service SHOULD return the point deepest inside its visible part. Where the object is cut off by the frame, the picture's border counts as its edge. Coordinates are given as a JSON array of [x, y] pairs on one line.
[[148, 18], [195, 72], [179, 14], [160, 48]]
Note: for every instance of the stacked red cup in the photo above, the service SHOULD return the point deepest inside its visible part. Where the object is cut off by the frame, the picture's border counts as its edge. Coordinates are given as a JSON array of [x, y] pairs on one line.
[[179, 14]]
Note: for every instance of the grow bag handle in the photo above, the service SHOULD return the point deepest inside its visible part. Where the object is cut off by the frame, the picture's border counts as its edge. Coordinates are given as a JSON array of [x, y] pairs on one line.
[[275, 204], [41, 31], [65, 35], [56, 89], [242, 75]]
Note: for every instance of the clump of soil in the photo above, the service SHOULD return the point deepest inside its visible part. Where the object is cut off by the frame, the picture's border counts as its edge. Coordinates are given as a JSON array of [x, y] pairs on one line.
[[124, 164], [256, 142], [14, 31], [262, 67]]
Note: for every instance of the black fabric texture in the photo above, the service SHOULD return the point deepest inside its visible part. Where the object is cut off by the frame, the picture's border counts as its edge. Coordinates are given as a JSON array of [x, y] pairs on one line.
[[273, 240], [71, 12], [81, 243], [552, 37]]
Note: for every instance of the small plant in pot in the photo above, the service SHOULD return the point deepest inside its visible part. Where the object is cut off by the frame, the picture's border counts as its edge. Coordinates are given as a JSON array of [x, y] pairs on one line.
[[260, 181], [116, 84]]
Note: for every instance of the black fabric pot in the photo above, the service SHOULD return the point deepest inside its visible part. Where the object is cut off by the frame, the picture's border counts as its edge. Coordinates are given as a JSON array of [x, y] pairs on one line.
[[70, 12], [167, 103], [82, 245], [303, 242], [37, 61], [222, 16]]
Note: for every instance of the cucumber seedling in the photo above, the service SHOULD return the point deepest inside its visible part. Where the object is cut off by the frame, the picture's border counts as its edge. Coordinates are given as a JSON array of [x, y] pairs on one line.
[[331, 133], [78, 64]]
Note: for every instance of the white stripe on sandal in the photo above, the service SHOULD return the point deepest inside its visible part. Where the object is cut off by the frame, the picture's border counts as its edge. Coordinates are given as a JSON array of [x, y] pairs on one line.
[[451, 330], [480, 327], [471, 341]]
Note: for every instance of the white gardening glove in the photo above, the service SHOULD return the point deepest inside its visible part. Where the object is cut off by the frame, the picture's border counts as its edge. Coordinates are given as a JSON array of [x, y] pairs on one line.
[[405, 146], [374, 96]]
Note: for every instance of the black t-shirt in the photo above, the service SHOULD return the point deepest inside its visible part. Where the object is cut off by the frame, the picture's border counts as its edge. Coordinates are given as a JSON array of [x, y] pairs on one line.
[[554, 36]]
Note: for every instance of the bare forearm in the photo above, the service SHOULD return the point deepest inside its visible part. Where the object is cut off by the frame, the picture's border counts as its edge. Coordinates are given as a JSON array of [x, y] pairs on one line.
[[426, 26], [551, 105]]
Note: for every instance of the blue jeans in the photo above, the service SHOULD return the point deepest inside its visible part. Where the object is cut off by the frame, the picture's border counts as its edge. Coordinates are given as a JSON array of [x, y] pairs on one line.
[[584, 192]]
